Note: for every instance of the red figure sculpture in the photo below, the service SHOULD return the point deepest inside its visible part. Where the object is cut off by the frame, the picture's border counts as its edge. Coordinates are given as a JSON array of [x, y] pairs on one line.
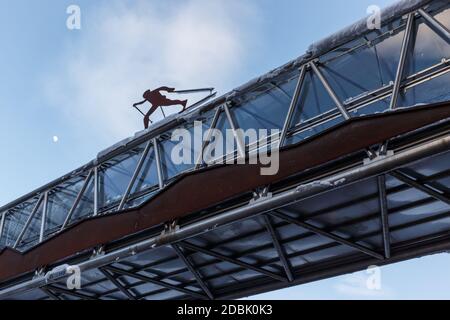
[[158, 100]]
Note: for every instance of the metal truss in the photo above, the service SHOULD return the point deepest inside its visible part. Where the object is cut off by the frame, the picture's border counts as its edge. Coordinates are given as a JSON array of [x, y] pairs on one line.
[[185, 249]]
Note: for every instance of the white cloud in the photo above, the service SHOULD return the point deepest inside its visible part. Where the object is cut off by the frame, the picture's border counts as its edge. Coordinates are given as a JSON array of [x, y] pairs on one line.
[[355, 287], [125, 49]]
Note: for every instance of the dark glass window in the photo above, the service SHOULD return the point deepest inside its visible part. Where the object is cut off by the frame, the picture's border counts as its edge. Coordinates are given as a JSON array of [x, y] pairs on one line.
[[266, 111], [427, 49], [365, 68], [432, 91]]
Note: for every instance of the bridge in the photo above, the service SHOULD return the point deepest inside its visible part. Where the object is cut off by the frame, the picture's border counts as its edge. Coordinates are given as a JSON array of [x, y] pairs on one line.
[[364, 179]]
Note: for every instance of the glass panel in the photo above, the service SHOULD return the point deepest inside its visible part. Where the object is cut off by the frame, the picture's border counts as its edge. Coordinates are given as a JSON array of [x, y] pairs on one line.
[[267, 111], [148, 176], [114, 180], [59, 203], [186, 149], [138, 201], [86, 205], [314, 130], [314, 100], [444, 18], [31, 235], [427, 50], [432, 91], [15, 221], [223, 126], [373, 108], [364, 69]]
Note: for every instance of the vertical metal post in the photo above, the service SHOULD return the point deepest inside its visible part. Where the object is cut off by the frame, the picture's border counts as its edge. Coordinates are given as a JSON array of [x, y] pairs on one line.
[[384, 215], [135, 175], [27, 223], [2, 223], [432, 22], [158, 164], [78, 199], [402, 61], [199, 161], [294, 102], [330, 91], [95, 191], [239, 142], [43, 218]]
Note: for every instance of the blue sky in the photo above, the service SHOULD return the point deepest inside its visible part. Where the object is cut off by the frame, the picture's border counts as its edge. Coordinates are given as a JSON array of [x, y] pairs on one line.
[[78, 85]]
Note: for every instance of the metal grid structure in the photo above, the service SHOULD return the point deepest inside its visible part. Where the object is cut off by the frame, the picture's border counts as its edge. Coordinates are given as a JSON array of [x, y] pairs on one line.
[[289, 242]]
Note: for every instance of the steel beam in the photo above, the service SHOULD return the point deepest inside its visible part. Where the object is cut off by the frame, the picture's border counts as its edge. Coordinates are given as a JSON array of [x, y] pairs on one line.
[[401, 64], [158, 163], [2, 223], [27, 223], [43, 218], [384, 215], [294, 102], [326, 234], [279, 247], [116, 283], [155, 282], [77, 200], [239, 142], [194, 272], [135, 175], [95, 191], [233, 261], [436, 25], [199, 161], [417, 185], [330, 91]]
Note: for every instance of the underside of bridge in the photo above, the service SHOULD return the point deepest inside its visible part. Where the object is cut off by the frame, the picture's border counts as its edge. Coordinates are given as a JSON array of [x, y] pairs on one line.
[[364, 179]]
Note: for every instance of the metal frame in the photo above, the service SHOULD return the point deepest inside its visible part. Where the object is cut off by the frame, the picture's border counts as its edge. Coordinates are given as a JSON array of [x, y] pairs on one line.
[[384, 212], [402, 61], [158, 163], [291, 110], [280, 250], [43, 218], [242, 264], [2, 223], [116, 282], [281, 215], [193, 271], [417, 185], [199, 161], [433, 23], [77, 200], [330, 91], [237, 137], [95, 191], [27, 223], [153, 281], [135, 175]]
